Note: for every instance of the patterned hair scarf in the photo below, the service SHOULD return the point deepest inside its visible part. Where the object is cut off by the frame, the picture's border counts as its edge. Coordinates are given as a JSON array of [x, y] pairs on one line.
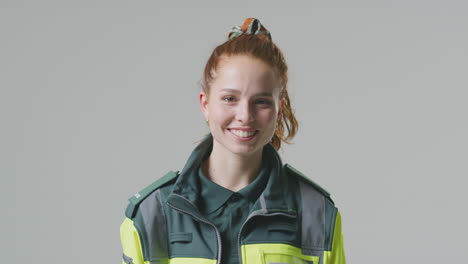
[[251, 26]]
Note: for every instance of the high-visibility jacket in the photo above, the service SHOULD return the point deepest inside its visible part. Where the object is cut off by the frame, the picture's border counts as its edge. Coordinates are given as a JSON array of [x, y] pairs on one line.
[[293, 221]]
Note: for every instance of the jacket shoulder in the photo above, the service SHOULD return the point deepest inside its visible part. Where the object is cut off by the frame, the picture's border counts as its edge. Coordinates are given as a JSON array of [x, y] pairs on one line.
[[291, 170], [138, 197]]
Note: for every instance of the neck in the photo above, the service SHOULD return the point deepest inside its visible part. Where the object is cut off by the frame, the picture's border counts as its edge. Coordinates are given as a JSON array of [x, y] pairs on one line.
[[230, 170]]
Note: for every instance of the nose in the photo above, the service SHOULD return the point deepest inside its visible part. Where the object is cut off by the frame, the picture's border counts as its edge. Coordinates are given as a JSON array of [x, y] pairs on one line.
[[245, 112]]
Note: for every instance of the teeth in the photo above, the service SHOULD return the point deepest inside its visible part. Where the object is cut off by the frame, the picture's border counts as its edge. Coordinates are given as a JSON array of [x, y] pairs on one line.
[[241, 133]]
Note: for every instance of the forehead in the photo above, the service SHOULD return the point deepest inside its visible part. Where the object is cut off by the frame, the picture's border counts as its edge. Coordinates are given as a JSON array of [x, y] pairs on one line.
[[244, 71]]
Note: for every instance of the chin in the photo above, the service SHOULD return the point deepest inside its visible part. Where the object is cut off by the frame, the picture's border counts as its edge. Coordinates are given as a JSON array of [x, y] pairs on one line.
[[243, 150]]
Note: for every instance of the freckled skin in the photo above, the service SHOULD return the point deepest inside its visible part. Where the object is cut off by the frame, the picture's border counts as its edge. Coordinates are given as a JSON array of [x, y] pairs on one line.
[[242, 106]]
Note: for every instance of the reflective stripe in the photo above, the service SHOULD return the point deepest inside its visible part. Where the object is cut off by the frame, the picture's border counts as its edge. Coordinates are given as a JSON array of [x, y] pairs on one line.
[[313, 220], [154, 222], [262, 201], [330, 221], [313, 217]]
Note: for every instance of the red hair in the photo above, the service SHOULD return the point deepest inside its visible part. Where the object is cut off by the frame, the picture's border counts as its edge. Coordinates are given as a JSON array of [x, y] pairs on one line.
[[261, 47]]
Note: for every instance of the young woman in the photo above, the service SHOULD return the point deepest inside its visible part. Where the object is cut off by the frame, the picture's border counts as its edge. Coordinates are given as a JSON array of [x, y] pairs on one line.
[[234, 200]]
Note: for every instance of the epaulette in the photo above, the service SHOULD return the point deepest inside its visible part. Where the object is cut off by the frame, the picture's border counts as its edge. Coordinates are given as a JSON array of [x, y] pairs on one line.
[[138, 197], [314, 184]]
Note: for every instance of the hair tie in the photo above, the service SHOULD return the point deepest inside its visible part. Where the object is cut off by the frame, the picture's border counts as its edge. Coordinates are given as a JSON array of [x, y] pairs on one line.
[[251, 26]]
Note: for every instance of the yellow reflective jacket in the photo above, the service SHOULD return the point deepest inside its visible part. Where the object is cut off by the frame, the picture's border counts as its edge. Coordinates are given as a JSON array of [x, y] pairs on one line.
[[293, 221]]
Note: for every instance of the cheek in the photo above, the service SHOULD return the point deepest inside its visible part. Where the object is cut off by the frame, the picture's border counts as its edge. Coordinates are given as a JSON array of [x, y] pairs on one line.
[[267, 116], [221, 114]]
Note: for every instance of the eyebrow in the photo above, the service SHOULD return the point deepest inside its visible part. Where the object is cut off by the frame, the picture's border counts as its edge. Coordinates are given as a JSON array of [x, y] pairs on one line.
[[237, 91]]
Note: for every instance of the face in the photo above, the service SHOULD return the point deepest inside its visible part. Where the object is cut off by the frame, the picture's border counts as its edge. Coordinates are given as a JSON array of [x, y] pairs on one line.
[[242, 105]]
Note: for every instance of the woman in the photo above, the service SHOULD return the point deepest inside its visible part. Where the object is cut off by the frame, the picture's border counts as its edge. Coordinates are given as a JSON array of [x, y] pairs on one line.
[[235, 201]]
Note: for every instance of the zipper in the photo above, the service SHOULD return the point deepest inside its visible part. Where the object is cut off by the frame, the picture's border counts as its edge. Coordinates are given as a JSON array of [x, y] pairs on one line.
[[250, 217], [218, 236]]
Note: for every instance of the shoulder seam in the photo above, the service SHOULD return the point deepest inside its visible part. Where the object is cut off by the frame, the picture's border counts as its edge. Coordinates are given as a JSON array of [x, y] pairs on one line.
[[138, 197], [300, 175]]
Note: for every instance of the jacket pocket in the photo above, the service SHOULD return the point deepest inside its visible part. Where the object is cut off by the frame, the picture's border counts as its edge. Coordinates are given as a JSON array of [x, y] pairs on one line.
[[284, 227], [285, 256], [183, 237]]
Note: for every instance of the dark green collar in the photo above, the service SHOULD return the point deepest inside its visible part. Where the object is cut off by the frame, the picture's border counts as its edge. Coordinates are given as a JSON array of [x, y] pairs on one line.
[[215, 195], [278, 194], [254, 189]]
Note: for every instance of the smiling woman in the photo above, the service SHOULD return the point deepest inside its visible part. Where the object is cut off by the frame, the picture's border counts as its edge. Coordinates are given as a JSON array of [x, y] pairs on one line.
[[234, 200], [243, 118]]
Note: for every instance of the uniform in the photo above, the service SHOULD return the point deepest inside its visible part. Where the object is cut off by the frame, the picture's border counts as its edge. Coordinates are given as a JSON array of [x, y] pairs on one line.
[[292, 220]]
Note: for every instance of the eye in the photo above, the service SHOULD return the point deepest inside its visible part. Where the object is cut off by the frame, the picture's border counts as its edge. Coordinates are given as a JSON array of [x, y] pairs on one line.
[[263, 101], [228, 98]]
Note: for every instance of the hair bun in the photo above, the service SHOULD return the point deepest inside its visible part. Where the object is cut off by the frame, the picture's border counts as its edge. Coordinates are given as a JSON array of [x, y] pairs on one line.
[[251, 26]]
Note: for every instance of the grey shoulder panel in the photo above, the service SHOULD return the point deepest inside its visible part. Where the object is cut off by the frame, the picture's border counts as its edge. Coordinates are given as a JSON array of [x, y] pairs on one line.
[[330, 220], [313, 218], [299, 174], [138, 197], [318, 216], [152, 225]]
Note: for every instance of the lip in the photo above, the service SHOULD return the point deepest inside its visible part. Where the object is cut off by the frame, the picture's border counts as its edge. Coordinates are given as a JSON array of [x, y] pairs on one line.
[[243, 138], [243, 129]]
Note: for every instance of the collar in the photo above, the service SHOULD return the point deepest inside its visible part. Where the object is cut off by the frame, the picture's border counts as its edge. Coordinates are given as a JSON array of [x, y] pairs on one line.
[[278, 194], [215, 195]]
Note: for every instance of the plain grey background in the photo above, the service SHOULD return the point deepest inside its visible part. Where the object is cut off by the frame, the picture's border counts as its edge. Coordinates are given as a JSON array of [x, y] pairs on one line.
[[99, 98]]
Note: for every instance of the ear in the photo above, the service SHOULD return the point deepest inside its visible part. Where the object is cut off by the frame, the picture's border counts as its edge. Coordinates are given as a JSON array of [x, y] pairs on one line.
[[203, 98], [281, 106], [282, 102]]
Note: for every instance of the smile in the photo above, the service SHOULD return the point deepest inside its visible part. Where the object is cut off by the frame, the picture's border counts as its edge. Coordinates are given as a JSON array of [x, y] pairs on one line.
[[243, 134]]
